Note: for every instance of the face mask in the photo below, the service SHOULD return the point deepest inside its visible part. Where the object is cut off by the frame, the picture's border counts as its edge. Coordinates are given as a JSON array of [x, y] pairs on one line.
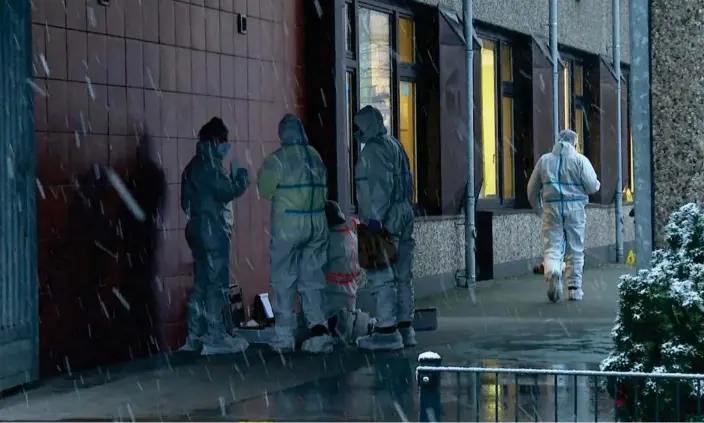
[[224, 148], [359, 136]]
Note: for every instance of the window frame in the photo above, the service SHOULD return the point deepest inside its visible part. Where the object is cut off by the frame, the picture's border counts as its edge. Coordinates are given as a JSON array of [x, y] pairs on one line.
[[502, 89], [571, 59], [400, 71]]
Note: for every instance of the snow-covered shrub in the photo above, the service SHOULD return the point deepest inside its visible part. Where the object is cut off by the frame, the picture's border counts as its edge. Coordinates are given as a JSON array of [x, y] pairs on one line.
[[660, 327]]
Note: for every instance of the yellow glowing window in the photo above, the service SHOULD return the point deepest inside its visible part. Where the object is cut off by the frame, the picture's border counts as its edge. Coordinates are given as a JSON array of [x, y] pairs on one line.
[[507, 146], [489, 130], [407, 126], [406, 40], [579, 128], [631, 170], [567, 96]]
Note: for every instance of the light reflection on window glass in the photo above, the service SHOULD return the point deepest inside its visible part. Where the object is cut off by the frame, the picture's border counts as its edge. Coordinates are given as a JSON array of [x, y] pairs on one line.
[[579, 128], [374, 33], [406, 40], [407, 126], [566, 95]]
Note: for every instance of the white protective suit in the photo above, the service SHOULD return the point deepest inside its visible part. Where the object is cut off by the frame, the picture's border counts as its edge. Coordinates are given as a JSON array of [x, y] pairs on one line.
[[385, 194], [342, 271], [560, 185], [294, 178]]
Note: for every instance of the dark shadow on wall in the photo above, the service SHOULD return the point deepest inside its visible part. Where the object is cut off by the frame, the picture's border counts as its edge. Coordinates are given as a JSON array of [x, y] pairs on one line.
[[107, 296]]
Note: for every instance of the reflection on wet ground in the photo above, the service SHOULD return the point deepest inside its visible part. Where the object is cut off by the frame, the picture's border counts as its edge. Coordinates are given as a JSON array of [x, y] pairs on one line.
[[387, 391]]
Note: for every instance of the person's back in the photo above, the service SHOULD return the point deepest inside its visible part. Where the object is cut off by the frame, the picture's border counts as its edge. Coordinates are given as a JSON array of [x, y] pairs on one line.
[[294, 178], [385, 196], [197, 183], [560, 185], [342, 269], [341, 273]]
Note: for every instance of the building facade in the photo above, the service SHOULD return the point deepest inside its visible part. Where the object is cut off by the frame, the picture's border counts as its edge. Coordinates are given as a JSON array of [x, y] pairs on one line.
[[106, 75]]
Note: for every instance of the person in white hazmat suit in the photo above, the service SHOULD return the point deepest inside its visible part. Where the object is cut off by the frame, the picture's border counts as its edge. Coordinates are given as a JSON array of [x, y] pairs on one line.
[[207, 191], [342, 271], [560, 185], [294, 178], [385, 196]]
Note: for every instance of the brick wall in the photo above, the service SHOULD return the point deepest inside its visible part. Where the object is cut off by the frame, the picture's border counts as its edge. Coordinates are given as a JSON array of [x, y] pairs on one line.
[[162, 67]]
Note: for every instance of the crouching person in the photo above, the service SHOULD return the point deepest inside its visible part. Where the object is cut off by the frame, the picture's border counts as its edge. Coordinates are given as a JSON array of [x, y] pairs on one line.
[[342, 271]]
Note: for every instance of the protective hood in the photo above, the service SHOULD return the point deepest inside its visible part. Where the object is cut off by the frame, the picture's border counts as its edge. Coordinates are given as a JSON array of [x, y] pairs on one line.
[[334, 214], [291, 131], [564, 148], [370, 124]]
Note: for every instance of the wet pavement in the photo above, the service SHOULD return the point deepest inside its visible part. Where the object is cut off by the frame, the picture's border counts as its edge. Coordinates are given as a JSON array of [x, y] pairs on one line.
[[508, 324], [387, 391]]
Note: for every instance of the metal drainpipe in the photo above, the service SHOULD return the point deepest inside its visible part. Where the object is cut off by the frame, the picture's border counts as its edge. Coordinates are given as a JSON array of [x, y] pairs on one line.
[[615, 11], [469, 209]]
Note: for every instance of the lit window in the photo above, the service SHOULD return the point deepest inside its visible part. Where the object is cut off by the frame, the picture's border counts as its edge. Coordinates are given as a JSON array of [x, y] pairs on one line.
[[406, 40], [407, 126], [375, 62], [567, 96], [489, 130], [575, 114]]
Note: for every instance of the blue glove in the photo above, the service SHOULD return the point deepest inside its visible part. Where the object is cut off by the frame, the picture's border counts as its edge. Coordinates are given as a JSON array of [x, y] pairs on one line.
[[374, 225], [242, 176]]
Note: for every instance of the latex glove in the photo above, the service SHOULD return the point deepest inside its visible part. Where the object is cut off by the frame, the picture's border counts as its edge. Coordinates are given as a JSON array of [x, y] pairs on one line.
[[375, 226], [241, 175]]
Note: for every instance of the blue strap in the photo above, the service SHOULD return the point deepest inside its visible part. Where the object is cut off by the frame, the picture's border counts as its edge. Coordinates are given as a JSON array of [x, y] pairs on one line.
[[301, 185], [305, 212]]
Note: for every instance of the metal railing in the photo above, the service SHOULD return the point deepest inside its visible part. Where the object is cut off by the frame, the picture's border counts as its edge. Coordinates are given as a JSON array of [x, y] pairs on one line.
[[449, 393]]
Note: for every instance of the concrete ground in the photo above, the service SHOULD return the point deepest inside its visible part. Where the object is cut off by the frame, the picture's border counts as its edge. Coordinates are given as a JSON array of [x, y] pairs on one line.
[[508, 323]]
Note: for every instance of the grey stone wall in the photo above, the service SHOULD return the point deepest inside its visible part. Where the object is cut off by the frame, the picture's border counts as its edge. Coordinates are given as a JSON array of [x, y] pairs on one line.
[[440, 241], [677, 107], [582, 24]]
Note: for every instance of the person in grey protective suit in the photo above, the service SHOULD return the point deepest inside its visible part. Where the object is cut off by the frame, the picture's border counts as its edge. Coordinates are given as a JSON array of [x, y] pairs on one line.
[[560, 185], [385, 196], [294, 178], [342, 271], [207, 191]]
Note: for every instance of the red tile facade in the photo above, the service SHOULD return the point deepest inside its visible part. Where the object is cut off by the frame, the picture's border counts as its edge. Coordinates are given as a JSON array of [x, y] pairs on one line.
[[164, 67]]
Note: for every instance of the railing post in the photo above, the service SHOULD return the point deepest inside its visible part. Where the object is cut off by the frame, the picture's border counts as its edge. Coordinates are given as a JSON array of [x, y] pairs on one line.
[[429, 387]]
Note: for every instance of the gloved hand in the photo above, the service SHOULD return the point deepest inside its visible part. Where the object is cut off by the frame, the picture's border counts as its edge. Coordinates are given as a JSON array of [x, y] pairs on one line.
[[375, 226], [241, 175]]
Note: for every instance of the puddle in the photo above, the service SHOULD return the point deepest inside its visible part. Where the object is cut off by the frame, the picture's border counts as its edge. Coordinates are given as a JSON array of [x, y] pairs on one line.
[[387, 391]]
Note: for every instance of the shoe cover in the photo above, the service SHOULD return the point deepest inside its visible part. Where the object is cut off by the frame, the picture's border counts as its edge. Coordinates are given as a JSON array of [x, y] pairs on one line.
[[363, 325], [575, 294], [409, 336], [225, 345], [282, 344], [554, 281], [381, 341], [193, 344], [321, 344]]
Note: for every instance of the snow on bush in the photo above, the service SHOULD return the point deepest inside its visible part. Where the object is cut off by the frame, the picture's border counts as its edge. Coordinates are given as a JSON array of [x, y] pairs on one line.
[[660, 327]]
